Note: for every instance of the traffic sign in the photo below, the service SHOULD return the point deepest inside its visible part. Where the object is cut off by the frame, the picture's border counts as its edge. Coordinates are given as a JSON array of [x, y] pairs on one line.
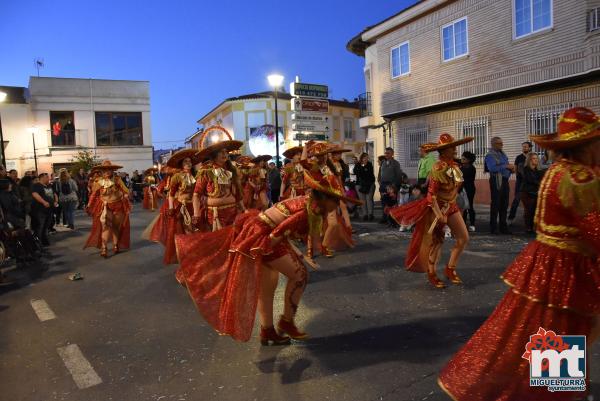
[[309, 90], [310, 127], [310, 137], [303, 104], [310, 117]]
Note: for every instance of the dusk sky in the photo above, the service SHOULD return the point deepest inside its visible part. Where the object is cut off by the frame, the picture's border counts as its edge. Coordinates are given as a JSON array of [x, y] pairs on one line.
[[194, 53]]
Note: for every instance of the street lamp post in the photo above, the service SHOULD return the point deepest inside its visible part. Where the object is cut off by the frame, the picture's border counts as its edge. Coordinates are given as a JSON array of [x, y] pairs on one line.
[[33, 129], [2, 99], [275, 80]]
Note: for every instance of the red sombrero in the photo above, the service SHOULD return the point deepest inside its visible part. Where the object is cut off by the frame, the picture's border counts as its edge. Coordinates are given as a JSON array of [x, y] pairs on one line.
[[319, 149], [229, 145], [292, 151], [339, 149], [244, 162], [318, 182], [577, 126], [446, 141], [151, 170], [261, 158], [106, 165], [175, 160]]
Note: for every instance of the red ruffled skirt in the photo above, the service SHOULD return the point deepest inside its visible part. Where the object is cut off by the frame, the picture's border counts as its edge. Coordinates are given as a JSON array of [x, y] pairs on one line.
[[222, 269], [150, 203], [551, 288], [164, 228], [420, 214], [122, 208]]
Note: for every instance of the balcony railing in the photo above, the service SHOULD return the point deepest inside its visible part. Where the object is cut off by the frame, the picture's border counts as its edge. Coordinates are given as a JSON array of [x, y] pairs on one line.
[[364, 104], [67, 138]]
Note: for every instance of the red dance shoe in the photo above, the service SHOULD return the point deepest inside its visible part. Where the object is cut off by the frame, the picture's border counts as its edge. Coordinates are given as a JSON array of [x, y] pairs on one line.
[[451, 274], [104, 252], [435, 281], [268, 336], [288, 327]]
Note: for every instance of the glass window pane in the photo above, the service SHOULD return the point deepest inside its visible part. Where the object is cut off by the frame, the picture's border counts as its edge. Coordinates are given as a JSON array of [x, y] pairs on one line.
[[541, 14], [460, 31], [395, 62], [119, 129], [404, 59], [522, 17], [448, 34]]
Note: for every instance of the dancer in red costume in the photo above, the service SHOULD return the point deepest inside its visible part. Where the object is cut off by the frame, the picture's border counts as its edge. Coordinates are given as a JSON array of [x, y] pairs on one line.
[[109, 207], [150, 201], [432, 213], [244, 166], [555, 281], [218, 193], [338, 228], [257, 180], [177, 211], [292, 178], [230, 272]]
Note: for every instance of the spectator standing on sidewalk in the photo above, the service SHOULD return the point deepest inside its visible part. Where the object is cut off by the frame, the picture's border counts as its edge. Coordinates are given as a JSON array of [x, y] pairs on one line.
[[274, 182], [390, 173], [469, 173], [519, 164], [497, 165], [425, 164], [24, 190], [532, 176], [81, 179], [365, 181], [67, 198], [44, 199]]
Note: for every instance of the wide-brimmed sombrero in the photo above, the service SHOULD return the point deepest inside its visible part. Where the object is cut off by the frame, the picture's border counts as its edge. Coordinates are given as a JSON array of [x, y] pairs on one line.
[[229, 145], [339, 149], [319, 149], [261, 158], [106, 165], [175, 160], [446, 141], [151, 170], [318, 182], [244, 162], [576, 127], [292, 151]]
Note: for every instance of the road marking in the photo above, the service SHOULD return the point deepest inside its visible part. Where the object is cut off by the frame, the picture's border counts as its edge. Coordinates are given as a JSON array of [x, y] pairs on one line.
[[82, 371], [484, 255], [42, 310]]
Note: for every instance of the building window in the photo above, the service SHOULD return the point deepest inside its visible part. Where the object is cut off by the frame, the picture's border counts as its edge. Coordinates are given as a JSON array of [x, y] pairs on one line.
[[594, 19], [455, 42], [400, 60], [478, 128], [543, 121], [532, 16], [119, 129], [413, 139], [348, 129]]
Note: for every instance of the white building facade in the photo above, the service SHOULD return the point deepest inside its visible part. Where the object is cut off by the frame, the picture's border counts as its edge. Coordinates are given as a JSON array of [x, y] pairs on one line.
[[65, 116]]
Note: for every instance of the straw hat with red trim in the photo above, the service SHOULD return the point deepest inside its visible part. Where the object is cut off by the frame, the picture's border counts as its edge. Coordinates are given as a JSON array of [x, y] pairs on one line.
[[576, 127], [339, 149], [151, 170], [319, 149], [318, 182], [106, 165], [261, 158], [244, 162], [177, 158], [446, 141], [292, 151], [229, 145]]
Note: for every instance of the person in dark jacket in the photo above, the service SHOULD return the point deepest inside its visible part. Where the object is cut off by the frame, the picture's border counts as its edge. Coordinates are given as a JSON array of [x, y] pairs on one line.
[[11, 205], [274, 182], [532, 176], [365, 182], [469, 172], [390, 172]]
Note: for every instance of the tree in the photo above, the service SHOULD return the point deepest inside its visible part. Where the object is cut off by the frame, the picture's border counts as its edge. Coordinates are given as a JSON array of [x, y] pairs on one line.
[[85, 159]]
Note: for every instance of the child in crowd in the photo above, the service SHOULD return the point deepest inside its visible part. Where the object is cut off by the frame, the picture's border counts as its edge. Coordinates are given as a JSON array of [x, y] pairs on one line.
[[389, 200], [350, 192], [416, 192]]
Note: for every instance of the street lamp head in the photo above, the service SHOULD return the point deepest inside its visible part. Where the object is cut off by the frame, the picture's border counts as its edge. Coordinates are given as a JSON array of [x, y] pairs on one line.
[[2, 96], [275, 80]]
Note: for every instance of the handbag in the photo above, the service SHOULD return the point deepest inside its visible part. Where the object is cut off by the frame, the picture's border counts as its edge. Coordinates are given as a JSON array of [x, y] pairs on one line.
[[462, 200]]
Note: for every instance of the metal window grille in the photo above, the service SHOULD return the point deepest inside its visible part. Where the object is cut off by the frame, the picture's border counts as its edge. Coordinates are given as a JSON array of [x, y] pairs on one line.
[[543, 121], [478, 128], [594, 19], [413, 138]]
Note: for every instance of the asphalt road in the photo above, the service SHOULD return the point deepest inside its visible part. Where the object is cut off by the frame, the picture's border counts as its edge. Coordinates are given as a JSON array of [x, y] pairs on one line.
[[128, 331]]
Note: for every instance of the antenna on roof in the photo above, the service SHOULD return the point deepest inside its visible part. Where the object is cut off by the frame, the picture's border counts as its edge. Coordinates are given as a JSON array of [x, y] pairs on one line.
[[38, 63]]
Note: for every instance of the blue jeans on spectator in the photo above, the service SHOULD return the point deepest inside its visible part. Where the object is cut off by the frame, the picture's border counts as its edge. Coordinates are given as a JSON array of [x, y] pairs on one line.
[[68, 210]]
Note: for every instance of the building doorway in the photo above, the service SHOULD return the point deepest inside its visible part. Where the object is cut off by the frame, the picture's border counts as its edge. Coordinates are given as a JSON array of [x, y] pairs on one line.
[[62, 128]]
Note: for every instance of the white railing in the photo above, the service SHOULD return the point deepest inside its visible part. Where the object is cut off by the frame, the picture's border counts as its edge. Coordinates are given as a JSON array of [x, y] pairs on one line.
[[68, 138], [478, 128]]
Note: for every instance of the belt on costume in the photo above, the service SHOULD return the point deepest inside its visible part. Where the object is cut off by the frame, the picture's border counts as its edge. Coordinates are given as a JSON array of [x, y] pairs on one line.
[[568, 244], [267, 220], [220, 207]]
